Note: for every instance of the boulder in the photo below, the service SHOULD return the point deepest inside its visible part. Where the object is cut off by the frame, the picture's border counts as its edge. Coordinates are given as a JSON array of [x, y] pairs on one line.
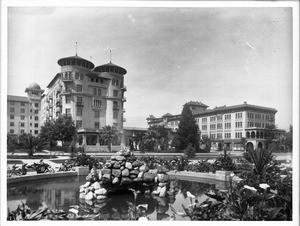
[[163, 178], [154, 171], [113, 157], [162, 184], [89, 196], [128, 165], [101, 191], [161, 169], [96, 185], [117, 165], [138, 179], [82, 190], [144, 168], [100, 175], [132, 176], [106, 178], [120, 158], [115, 180], [87, 184], [116, 172], [163, 192], [135, 172], [125, 172], [122, 167], [108, 165], [140, 174], [100, 197], [126, 180], [148, 177], [81, 195], [105, 171], [137, 164]]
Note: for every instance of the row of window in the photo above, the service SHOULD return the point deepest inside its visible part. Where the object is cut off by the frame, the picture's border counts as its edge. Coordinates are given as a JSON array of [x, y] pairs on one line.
[[252, 115], [23, 110], [23, 103], [36, 118], [97, 80], [220, 126], [22, 124], [12, 131], [219, 117], [213, 136], [115, 82], [68, 75], [96, 124], [256, 124]]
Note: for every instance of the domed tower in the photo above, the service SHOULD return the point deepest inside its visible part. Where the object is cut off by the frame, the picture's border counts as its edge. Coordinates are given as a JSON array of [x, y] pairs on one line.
[[115, 95]]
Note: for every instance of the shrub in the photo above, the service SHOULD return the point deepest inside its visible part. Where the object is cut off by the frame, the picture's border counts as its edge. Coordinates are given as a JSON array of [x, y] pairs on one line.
[[190, 151]]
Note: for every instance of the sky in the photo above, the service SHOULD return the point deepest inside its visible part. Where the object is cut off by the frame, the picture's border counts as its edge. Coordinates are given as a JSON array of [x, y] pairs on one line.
[[219, 56]]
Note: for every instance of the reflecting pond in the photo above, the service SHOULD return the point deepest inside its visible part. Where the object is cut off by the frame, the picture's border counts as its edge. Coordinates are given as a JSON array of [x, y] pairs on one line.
[[61, 193]]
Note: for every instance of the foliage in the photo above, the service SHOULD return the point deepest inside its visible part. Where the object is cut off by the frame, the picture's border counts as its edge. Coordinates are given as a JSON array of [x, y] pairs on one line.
[[61, 129], [41, 167], [225, 162], [109, 135], [205, 143], [190, 151], [27, 143], [86, 160], [31, 157], [202, 166], [156, 138], [188, 130]]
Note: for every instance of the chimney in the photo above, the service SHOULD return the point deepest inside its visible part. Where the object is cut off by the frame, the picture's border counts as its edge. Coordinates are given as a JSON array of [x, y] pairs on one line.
[[245, 102]]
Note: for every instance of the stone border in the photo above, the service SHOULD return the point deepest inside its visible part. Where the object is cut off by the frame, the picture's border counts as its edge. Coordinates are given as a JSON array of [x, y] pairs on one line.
[[219, 175]]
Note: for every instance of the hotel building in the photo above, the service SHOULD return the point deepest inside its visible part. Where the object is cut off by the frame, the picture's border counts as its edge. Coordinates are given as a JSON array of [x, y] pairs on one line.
[[92, 96], [226, 124], [23, 113]]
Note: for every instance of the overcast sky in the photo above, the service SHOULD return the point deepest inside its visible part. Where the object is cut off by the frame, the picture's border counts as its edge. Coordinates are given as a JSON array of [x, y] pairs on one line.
[[219, 56]]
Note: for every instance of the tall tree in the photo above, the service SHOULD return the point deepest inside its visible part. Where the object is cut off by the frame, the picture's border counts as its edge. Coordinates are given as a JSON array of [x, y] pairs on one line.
[[156, 138], [188, 130], [109, 135], [62, 129]]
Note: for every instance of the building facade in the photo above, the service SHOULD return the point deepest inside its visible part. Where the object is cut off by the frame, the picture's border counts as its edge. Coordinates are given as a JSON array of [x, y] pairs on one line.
[[23, 113], [226, 124], [92, 96]]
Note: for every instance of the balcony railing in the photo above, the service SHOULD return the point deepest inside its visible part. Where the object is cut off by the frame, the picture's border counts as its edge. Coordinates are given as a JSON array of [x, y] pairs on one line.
[[67, 78], [124, 99], [124, 88], [79, 104]]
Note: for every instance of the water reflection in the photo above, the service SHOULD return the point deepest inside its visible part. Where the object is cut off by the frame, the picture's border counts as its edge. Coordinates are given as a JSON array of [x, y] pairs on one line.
[[64, 192]]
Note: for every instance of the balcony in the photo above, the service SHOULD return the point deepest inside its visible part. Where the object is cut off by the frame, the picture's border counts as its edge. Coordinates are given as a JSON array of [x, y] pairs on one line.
[[58, 104], [124, 110], [116, 107], [124, 88], [79, 104], [67, 91], [68, 78], [124, 99]]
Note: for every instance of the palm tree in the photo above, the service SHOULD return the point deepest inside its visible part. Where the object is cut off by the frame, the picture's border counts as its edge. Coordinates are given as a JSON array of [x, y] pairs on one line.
[[109, 135], [28, 143]]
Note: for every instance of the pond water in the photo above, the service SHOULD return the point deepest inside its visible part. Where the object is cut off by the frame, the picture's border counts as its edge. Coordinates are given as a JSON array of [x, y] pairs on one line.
[[61, 193]]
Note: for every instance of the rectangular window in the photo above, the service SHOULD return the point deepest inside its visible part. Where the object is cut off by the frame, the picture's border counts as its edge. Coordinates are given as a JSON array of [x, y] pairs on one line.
[[97, 125], [219, 126], [97, 114], [22, 131], [36, 105], [228, 117], [97, 103], [11, 124], [81, 77], [219, 117], [92, 79], [101, 80], [12, 103], [97, 80], [12, 110], [30, 124], [68, 99], [115, 93], [113, 82], [213, 118], [22, 110], [22, 124], [36, 111], [68, 112], [30, 110], [79, 99], [94, 91], [36, 118], [79, 88], [117, 82], [22, 103], [227, 125], [36, 131], [11, 116], [36, 125], [11, 131], [78, 123], [79, 112], [76, 75], [22, 117], [204, 120], [115, 115], [219, 135], [99, 92]]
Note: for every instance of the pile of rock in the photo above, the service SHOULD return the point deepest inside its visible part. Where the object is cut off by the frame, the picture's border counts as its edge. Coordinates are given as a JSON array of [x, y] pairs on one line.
[[122, 172]]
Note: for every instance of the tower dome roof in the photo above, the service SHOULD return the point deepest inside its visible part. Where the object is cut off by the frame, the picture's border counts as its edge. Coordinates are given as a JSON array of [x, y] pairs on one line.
[[34, 86], [76, 61], [110, 67]]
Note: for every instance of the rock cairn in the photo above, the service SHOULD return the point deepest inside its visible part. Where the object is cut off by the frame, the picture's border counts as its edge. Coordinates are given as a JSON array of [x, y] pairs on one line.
[[124, 172]]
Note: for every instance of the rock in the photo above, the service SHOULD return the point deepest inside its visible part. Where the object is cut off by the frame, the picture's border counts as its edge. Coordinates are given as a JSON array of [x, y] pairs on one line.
[[87, 184], [122, 167], [140, 174], [161, 169], [116, 172], [120, 158], [128, 165], [163, 192], [144, 168], [89, 196], [113, 157], [117, 165], [115, 180], [162, 184], [148, 177], [126, 180], [127, 153], [100, 197], [101, 191], [135, 172], [113, 162], [100, 175], [106, 178], [108, 165], [132, 176], [91, 188], [138, 179], [105, 171], [125, 172], [96, 185], [137, 164], [82, 190], [154, 171], [82, 195], [163, 177], [119, 153]]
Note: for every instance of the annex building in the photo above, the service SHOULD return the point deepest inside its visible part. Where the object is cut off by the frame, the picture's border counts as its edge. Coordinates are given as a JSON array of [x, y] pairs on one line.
[[226, 124]]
